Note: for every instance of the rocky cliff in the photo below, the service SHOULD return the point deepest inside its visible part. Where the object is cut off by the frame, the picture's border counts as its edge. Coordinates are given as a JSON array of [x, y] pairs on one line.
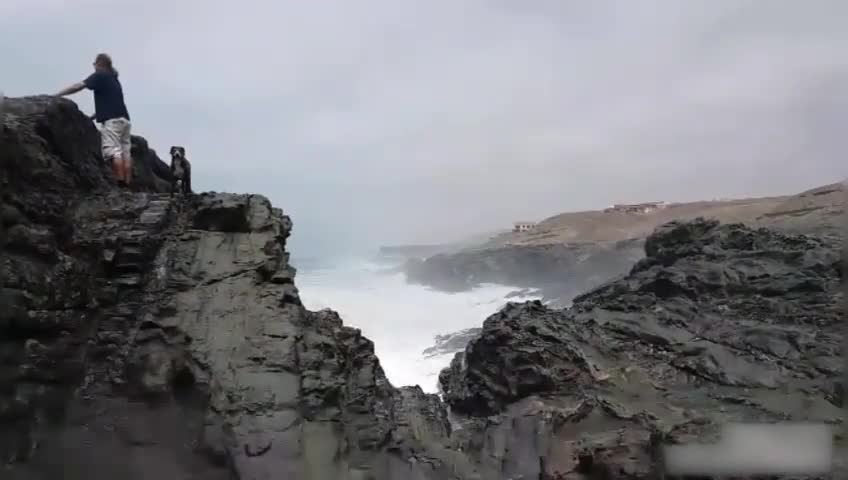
[[559, 271], [144, 336], [718, 323]]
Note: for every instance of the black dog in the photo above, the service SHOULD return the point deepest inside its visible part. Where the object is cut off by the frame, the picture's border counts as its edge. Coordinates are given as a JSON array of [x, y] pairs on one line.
[[180, 171]]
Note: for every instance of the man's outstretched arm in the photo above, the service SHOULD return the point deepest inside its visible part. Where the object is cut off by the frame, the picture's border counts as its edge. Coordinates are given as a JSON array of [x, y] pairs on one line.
[[71, 89]]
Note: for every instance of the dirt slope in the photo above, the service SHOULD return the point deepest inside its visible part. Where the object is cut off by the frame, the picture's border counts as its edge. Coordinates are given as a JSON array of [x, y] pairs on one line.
[[813, 209], [816, 211]]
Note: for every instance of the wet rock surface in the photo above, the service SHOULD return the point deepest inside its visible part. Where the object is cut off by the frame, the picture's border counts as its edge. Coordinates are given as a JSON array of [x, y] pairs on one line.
[[144, 336]]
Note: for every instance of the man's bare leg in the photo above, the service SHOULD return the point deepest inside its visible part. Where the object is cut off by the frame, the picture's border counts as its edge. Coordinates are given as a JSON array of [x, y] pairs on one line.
[[117, 169], [128, 168]]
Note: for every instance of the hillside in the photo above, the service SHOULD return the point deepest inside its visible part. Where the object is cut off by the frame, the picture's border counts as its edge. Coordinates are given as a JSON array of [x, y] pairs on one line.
[[819, 211], [573, 252], [810, 210]]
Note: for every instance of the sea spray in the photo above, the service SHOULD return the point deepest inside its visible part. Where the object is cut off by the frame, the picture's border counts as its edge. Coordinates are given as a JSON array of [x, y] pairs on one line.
[[401, 319]]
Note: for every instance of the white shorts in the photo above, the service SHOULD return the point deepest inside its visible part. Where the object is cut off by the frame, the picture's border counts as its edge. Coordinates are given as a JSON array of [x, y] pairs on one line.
[[115, 136]]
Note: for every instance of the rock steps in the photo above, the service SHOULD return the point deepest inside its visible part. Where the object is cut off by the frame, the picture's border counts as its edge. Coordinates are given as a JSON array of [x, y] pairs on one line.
[[136, 232]]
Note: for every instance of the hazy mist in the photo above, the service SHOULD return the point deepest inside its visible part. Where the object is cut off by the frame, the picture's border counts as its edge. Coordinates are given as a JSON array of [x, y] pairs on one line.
[[388, 121]]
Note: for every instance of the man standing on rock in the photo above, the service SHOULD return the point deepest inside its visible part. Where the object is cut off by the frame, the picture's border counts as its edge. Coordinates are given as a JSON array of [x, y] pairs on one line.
[[111, 112]]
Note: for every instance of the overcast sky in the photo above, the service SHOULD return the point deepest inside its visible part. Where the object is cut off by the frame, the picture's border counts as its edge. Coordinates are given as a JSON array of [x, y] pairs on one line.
[[387, 121]]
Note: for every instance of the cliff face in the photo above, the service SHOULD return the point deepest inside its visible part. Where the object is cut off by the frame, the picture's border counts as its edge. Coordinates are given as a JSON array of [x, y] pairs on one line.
[[144, 336]]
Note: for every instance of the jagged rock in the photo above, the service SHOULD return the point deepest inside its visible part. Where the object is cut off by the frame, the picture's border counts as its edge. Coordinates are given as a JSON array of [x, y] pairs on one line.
[[49, 145], [144, 336], [522, 350], [718, 323], [150, 173], [175, 323], [223, 214]]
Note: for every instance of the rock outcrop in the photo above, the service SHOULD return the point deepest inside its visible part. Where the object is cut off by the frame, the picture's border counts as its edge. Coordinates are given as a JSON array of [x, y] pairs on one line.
[[718, 323], [145, 336], [149, 336], [48, 149], [559, 271]]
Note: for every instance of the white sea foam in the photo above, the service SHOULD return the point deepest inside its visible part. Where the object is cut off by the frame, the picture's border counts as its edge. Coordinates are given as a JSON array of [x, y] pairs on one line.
[[402, 320]]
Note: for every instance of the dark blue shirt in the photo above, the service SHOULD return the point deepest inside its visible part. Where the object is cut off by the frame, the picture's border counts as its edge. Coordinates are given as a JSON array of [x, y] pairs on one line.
[[108, 96]]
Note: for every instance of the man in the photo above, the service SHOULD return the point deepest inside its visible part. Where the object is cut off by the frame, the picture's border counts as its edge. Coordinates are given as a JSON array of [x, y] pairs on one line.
[[111, 113]]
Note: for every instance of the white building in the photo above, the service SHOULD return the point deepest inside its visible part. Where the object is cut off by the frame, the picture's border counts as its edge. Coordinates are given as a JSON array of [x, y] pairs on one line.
[[523, 226], [637, 207]]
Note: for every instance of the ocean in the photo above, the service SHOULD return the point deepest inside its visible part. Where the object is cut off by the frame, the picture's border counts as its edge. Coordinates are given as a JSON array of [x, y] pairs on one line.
[[401, 319]]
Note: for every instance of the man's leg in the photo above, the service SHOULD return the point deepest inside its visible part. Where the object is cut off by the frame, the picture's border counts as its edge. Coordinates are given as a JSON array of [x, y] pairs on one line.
[[111, 147], [127, 161], [117, 168], [126, 151]]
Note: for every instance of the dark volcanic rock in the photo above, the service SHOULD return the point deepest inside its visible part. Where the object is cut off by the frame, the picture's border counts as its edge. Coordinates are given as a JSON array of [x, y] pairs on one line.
[[50, 161], [52, 146], [560, 271], [203, 363], [150, 173], [144, 336], [718, 323]]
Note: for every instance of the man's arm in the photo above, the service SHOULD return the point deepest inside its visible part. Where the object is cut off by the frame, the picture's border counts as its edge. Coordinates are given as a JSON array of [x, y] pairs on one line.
[[90, 83], [71, 89]]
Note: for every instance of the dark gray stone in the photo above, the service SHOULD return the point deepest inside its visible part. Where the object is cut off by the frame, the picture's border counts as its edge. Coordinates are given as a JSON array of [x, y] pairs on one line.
[[718, 323], [144, 336]]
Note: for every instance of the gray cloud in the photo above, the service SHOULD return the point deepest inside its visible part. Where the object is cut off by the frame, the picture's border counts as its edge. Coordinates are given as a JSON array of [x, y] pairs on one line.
[[392, 120]]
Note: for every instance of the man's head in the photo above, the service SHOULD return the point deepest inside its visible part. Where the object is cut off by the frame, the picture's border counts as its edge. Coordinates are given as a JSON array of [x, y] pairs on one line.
[[177, 152], [103, 63]]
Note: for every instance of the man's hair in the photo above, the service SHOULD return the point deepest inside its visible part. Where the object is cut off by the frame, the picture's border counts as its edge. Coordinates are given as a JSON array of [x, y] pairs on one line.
[[104, 61]]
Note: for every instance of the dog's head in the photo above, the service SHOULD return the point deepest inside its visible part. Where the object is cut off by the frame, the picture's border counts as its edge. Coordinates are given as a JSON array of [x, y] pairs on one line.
[[177, 152]]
